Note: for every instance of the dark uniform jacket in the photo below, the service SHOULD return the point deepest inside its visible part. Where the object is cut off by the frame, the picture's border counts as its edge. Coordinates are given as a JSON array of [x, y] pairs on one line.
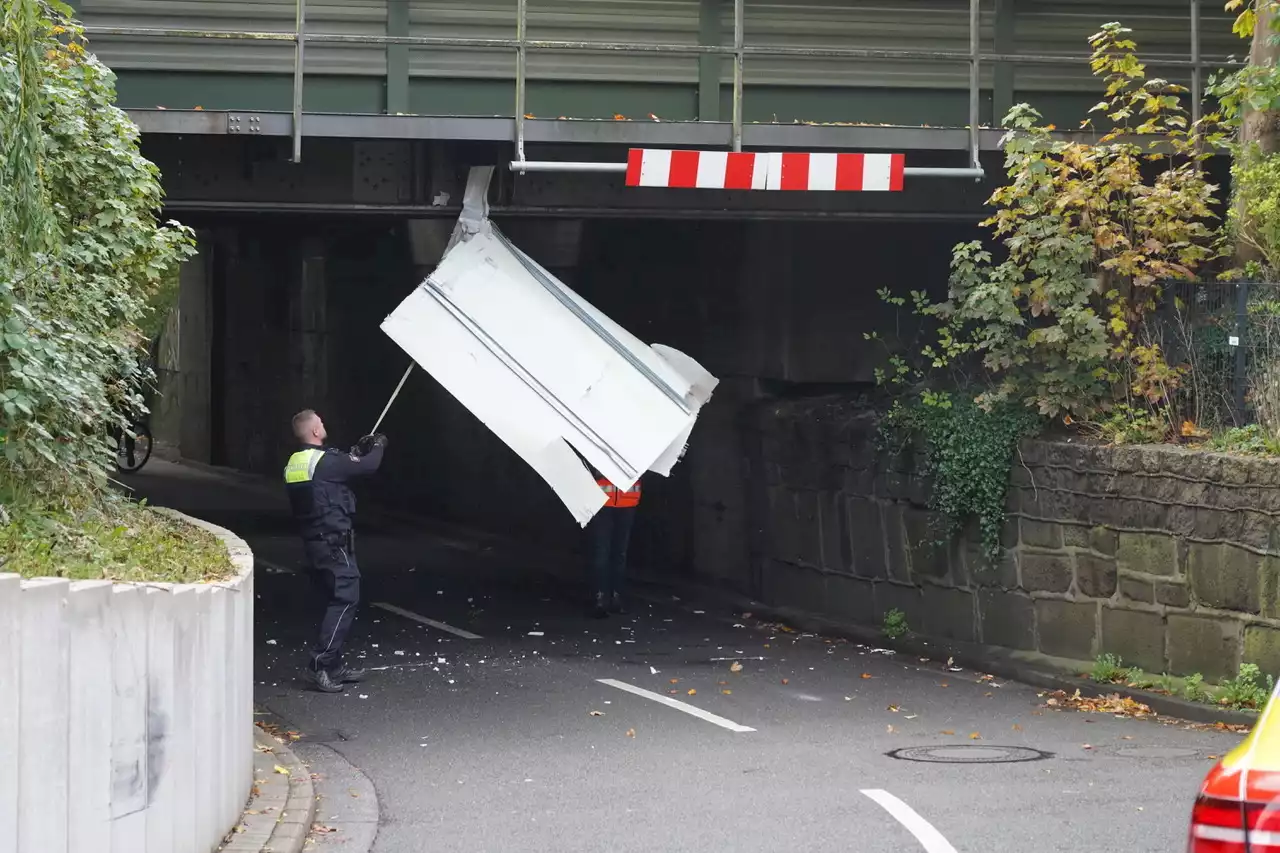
[[316, 480]]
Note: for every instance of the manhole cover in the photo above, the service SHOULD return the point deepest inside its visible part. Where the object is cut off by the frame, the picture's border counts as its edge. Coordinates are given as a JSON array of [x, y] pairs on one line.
[[1157, 752], [969, 754]]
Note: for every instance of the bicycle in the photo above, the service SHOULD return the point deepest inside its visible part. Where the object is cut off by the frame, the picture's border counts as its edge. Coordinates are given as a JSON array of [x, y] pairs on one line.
[[133, 447]]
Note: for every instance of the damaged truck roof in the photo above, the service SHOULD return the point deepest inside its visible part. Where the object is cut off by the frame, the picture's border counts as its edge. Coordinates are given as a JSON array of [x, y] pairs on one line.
[[544, 369]]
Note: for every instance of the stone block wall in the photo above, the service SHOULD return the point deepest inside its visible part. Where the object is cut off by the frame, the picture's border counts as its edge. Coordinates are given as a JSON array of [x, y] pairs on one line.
[[1164, 556]]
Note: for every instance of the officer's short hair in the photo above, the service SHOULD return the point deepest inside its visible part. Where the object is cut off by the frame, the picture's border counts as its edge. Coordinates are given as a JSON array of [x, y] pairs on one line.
[[302, 423]]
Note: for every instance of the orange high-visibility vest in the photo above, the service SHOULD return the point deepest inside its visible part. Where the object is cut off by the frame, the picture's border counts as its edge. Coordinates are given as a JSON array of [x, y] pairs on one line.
[[618, 497]]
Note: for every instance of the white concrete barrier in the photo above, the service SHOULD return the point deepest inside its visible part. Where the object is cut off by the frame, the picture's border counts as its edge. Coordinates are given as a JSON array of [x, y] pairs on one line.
[[126, 712]]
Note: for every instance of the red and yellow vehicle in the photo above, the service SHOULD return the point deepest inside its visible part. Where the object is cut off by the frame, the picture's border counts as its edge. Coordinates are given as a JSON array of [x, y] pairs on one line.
[[1238, 809]]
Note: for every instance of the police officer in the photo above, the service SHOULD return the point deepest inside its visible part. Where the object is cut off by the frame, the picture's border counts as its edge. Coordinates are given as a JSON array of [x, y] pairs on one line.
[[316, 480]]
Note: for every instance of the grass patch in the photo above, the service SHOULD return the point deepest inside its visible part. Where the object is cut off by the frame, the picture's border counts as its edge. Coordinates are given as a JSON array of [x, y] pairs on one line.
[[1109, 669], [105, 538]]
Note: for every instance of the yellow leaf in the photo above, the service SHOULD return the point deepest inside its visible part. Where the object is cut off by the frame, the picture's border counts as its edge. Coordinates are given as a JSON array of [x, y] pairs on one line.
[[975, 736], [866, 675], [284, 771], [693, 692], [1017, 728], [726, 692], [893, 708], [631, 732], [948, 731]]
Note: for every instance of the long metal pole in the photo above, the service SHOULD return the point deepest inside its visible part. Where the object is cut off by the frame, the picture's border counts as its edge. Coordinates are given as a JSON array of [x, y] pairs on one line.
[[975, 80], [621, 168], [738, 59], [1197, 92], [522, 18], [299, 48]]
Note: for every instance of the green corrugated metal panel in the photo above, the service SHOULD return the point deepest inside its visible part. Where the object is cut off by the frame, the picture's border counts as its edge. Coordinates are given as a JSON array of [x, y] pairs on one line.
[[367, 17], [1047, 26], [1162, 29]]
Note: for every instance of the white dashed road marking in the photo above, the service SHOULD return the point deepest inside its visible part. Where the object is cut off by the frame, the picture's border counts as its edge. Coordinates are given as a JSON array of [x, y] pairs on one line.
[[930, 839], [409, 614], [273, 568], [679, 706]]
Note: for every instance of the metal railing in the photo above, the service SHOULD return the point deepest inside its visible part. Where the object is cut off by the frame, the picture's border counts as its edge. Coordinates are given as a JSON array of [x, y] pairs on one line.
[[738, 51]]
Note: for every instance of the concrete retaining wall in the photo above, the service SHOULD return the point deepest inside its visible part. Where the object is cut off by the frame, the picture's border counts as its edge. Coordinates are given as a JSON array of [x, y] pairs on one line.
[[126, 712], [1167, 557]]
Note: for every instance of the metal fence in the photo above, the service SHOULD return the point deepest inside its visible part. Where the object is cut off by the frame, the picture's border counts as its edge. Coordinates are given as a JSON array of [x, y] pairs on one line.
[[1226, 337], [738, 51]]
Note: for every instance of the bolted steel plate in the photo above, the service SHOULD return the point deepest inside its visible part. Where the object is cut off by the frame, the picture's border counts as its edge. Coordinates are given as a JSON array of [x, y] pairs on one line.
[[969, 754]]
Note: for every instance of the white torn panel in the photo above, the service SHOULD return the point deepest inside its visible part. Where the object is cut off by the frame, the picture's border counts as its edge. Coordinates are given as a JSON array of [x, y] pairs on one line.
[[540, 366]]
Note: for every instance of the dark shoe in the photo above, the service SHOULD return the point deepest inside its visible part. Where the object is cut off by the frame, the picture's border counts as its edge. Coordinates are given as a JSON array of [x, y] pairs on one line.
[[346, 675], [322, 681], [600, 606], [618, 604]]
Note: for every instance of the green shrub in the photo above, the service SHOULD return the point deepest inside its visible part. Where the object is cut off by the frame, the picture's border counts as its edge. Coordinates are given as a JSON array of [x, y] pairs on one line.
[[1109, 669], [895, 624], [1248, 690]]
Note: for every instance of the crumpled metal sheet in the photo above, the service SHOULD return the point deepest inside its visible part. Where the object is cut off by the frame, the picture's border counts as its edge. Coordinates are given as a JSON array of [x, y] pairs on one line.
[[545, 370]]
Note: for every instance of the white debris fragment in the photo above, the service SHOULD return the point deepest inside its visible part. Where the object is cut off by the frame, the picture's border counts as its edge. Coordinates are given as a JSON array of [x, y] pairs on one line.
[[400, 653], [271, 642], [536, 634], [441, 660], [364, 695], [653, 670]]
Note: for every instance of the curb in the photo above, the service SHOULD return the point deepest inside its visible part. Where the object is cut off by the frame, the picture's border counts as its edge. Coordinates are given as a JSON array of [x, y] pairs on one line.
[[974, 656], [280, 813]]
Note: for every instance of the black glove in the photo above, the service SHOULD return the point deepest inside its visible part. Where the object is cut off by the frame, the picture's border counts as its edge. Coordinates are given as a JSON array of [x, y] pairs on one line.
[[366, 445]]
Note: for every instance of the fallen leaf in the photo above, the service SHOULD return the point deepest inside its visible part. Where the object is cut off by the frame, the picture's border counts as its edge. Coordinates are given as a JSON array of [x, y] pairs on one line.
[[948, 731], [866, 675], [726, 692], [319, 827], [722, 683], [597, 713], [1086, 746], [786, 681], [893, 708], [1126, 737], [890, 729], [528, 115], [674, 692], [675, 681], [693, 692], [988, 695], [283, 771], [1120, 706], [1017, 728], [944, 684], [735, 667], [631, 732], [354, 793], [975, 736]]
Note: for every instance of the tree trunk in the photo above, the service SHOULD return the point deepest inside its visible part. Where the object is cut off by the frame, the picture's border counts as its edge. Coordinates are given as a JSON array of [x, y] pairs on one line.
[[1258, 129]]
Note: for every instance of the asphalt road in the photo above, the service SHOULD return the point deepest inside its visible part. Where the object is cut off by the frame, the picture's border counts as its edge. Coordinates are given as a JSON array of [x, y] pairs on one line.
[[549, 731]]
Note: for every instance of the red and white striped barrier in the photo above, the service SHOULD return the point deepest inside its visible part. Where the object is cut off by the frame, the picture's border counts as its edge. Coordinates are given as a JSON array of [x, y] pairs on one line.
[[722, 170]]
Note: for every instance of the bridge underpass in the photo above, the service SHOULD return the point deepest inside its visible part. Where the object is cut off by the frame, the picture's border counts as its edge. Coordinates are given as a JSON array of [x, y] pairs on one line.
[[300, 263]]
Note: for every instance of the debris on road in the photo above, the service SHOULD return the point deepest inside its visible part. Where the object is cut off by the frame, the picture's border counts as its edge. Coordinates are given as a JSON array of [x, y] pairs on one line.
[[1114, 703], [735, 667], [596, 713]]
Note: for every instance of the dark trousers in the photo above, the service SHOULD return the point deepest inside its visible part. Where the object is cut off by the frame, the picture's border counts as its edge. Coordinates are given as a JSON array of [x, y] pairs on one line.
[[609, 534], [333, 570]]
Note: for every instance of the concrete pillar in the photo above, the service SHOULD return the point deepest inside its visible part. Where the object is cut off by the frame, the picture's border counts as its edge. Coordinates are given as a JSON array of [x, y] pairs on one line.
[[309, 345], [194, 353]]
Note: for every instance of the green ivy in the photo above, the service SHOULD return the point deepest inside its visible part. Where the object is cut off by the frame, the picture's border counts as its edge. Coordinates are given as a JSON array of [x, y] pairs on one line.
[[968, 453], [82, 253]]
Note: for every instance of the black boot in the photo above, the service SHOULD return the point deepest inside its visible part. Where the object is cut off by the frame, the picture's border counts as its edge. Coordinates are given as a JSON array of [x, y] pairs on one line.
[[599, 606], [618, 604], [346, 675], [322, 681]]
